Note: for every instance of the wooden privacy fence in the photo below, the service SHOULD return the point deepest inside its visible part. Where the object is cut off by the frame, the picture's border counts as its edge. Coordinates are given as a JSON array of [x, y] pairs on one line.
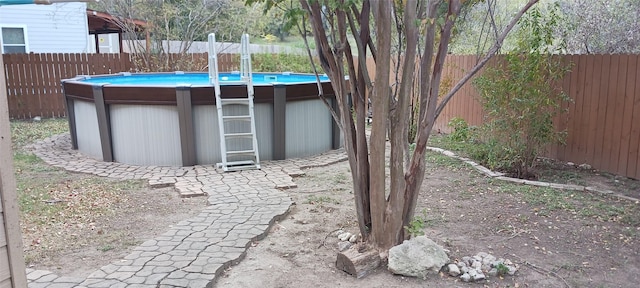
[[33, 80], [603, 120]]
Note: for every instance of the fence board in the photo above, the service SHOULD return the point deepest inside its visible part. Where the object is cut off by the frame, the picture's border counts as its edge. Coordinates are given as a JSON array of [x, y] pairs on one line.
[[618, 115], [585, 124], [610, 114], [625, 126], [573, 140], [602, 113], [633, 167]]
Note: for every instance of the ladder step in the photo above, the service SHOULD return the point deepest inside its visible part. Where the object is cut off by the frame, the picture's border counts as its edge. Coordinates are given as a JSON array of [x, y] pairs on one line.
[[234, 82], [241, 152], [237, 117], [236, 101], [239, 135], [239, 165]]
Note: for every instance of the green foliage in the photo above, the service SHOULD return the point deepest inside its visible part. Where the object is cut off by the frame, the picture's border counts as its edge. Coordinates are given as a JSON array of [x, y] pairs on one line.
[[320, 200], [502, 269], [281, 63], [417, 225], [461, 130], [520, 98]]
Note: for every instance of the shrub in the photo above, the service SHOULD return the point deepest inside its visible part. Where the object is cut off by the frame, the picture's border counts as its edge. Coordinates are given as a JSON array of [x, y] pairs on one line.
[[461, 130], [267, 62], [520, 100]]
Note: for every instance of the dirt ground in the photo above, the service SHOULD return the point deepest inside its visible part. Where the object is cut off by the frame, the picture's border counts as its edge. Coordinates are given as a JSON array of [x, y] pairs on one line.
[[78, 247], [558, 239]]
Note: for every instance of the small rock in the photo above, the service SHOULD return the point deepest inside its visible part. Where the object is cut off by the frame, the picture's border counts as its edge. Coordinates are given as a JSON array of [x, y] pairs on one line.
[[512, 270], [37, 119], [476, 265], [507, 262], [488, 259], [453, 270], [461, 264], [478, 277], [465, 277], [466, 259], [344, 236], [344, 245], [482, 254], [472, 273], [464, 269], [496, 263], [584, 166], [477, 258], [493, 272], [571, 164], [353, 238]]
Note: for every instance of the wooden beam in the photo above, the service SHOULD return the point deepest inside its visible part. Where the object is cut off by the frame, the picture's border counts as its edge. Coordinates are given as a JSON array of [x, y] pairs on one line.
[[8, 195]]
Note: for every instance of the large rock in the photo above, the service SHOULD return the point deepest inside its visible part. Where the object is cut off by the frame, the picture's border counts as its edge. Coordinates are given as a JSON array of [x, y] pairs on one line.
[[417, 257]]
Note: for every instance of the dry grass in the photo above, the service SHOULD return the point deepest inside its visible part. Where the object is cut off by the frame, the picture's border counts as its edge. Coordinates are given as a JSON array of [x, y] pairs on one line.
[[59, 209]]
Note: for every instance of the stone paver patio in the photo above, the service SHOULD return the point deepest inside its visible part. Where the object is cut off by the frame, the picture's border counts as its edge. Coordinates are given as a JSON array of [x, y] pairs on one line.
[[242, 207]]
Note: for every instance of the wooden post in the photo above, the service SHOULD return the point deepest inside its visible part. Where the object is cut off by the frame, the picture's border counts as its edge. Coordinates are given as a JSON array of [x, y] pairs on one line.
[[8, 198]]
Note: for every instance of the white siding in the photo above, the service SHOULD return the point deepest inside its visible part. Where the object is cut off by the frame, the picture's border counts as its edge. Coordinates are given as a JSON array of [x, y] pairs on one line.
[[57, 28]]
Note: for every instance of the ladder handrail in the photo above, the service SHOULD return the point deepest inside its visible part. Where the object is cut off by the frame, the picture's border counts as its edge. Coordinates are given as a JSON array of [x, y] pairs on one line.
[[245, 79], [213, 64]]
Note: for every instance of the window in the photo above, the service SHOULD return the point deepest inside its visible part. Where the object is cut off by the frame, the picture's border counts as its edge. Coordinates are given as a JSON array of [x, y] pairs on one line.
[[14, 39]]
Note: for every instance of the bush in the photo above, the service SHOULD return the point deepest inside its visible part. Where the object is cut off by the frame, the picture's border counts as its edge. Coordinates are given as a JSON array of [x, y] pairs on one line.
[[266, 62], [520, 100], [461, 130]]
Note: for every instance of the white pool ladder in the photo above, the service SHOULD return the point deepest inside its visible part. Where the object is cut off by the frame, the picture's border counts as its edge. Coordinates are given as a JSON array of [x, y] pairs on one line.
[[235, 113]]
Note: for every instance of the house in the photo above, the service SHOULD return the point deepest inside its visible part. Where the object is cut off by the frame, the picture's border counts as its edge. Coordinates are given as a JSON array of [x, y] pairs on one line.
[[57, 28]]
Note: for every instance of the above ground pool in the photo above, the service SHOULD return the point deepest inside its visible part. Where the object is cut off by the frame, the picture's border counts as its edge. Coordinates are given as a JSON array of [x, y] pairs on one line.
[[170, 119]]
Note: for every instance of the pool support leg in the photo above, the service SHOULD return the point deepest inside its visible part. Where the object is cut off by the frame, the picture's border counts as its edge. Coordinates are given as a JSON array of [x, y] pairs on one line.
[[279, 121], [185, 122], [102, 111]]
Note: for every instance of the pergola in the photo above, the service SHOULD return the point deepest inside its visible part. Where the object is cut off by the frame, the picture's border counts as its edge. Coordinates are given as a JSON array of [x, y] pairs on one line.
[[105, 23]]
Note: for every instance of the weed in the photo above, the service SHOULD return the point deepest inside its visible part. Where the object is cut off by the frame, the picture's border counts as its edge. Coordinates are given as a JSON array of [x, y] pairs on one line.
[[502, 269], [461, 129], [340, 178], [417, 225], [106, 247], [444, 161], [312, 199]]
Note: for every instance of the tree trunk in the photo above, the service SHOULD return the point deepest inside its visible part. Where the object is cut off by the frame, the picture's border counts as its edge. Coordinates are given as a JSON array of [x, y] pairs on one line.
[[380, 101]]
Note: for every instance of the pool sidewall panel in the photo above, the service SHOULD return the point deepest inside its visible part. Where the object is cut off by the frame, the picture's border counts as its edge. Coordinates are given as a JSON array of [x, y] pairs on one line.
[[146, 135], [88, 135], [308, 128], [207, 138]]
